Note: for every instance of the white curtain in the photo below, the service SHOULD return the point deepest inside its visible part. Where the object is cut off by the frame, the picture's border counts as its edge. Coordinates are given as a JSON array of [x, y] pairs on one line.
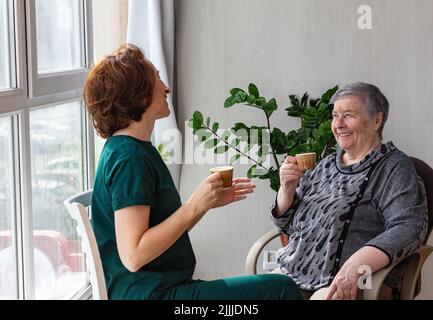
[[151, 26]]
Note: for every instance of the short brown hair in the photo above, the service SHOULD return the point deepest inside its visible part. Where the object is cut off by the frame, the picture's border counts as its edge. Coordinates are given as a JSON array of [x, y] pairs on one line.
[[119, 89]]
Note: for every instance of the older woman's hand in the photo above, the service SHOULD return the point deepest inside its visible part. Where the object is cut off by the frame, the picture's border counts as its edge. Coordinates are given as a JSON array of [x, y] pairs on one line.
[[345, 284], [290, 174]]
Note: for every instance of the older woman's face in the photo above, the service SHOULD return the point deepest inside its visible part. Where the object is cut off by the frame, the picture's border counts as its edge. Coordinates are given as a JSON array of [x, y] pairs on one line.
[[352, 127]]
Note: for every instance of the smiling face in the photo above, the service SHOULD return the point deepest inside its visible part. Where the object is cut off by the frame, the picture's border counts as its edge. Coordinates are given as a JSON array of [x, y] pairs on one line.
[[353, 129], [159, 106]]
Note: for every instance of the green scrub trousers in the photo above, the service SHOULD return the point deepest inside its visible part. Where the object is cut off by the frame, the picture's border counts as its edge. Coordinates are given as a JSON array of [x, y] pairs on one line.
[[258, 287]]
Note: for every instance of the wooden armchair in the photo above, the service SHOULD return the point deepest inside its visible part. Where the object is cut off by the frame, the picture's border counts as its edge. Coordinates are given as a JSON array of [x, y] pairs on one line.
[[411, 284]]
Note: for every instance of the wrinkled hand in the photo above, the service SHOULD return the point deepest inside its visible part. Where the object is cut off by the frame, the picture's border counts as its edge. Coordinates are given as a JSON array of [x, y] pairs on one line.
[[211, 193], [345, 284], [290, 173]]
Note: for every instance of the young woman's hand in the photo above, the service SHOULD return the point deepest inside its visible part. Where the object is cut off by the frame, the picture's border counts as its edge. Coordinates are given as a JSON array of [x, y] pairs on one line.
[[211, 194], [241, 187]]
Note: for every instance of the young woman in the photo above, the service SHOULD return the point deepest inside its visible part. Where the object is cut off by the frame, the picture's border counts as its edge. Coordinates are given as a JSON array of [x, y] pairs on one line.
[[140, 223]]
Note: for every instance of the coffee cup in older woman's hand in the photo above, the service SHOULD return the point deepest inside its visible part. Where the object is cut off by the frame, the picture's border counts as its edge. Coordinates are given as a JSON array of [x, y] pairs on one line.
[[306, 161]]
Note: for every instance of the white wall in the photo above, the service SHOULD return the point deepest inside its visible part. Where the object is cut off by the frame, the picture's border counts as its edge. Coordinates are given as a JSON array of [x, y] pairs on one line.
[[110, 20], [293, 46]]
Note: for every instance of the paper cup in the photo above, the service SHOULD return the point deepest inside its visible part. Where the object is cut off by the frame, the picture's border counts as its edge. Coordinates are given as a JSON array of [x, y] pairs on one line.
[[306, 161], [226, 174]]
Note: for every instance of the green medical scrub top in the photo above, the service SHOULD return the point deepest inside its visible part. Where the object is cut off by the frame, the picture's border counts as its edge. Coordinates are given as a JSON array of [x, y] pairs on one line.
[[131, 172]]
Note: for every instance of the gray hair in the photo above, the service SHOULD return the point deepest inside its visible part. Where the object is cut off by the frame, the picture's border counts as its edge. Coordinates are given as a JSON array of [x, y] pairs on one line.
[[373, 99]]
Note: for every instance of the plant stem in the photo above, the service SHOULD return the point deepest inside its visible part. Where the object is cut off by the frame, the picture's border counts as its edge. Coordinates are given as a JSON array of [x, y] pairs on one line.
[[236, 149], [274, 154]]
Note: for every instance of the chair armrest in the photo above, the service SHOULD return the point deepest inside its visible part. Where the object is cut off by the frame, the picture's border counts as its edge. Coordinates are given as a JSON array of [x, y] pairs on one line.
[[415, 263], [377, 280], [256, 249], [413, 272]]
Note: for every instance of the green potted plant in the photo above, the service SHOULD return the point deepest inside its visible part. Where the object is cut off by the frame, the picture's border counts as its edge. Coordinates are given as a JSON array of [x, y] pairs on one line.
[[314, 135]]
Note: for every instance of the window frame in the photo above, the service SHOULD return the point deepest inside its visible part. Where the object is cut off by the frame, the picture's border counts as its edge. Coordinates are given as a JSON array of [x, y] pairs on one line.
[[15, 98], [14, 198], [34, 92], [11, 40], [44, 84]]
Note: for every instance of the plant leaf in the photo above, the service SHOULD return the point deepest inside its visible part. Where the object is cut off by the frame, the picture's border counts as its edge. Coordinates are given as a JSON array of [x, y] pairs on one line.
[[260, 101], [278, 141], [259, 153], [241, 131], [270, 107], [309, 118], [234, 158], [197, 120], [295, 101], [251, 99], [226, 135], [208, 122], [259, 172], [235, 142], [234, 91], [294, 112], [210, 144], [204, 135], [302, 148], [325, 113], [215, 127], [274, 180], [197, 116], [326, 97], [303, 134], [253, 90], [230, 102], [240, 97], [313, 102], [251, 170], [221, 149], [304, 100]]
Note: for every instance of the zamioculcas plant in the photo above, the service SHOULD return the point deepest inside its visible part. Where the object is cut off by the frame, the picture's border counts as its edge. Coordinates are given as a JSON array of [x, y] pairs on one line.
[[314, 135]]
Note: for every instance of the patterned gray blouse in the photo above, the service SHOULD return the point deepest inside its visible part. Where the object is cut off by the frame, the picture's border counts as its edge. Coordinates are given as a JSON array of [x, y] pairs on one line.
[[338, 209]]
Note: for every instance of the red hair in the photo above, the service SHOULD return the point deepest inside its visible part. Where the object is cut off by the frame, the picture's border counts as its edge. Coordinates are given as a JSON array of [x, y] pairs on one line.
[[119, 89]]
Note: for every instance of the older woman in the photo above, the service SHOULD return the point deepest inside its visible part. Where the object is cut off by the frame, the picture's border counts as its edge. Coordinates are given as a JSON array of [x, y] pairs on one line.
[[363, 206], [140, 224]]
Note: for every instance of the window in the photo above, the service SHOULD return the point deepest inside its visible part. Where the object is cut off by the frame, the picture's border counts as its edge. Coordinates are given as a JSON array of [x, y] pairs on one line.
[[7, 53], [46, 146], [8, 270], [59, 28], [58, 45], [57, 166]]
